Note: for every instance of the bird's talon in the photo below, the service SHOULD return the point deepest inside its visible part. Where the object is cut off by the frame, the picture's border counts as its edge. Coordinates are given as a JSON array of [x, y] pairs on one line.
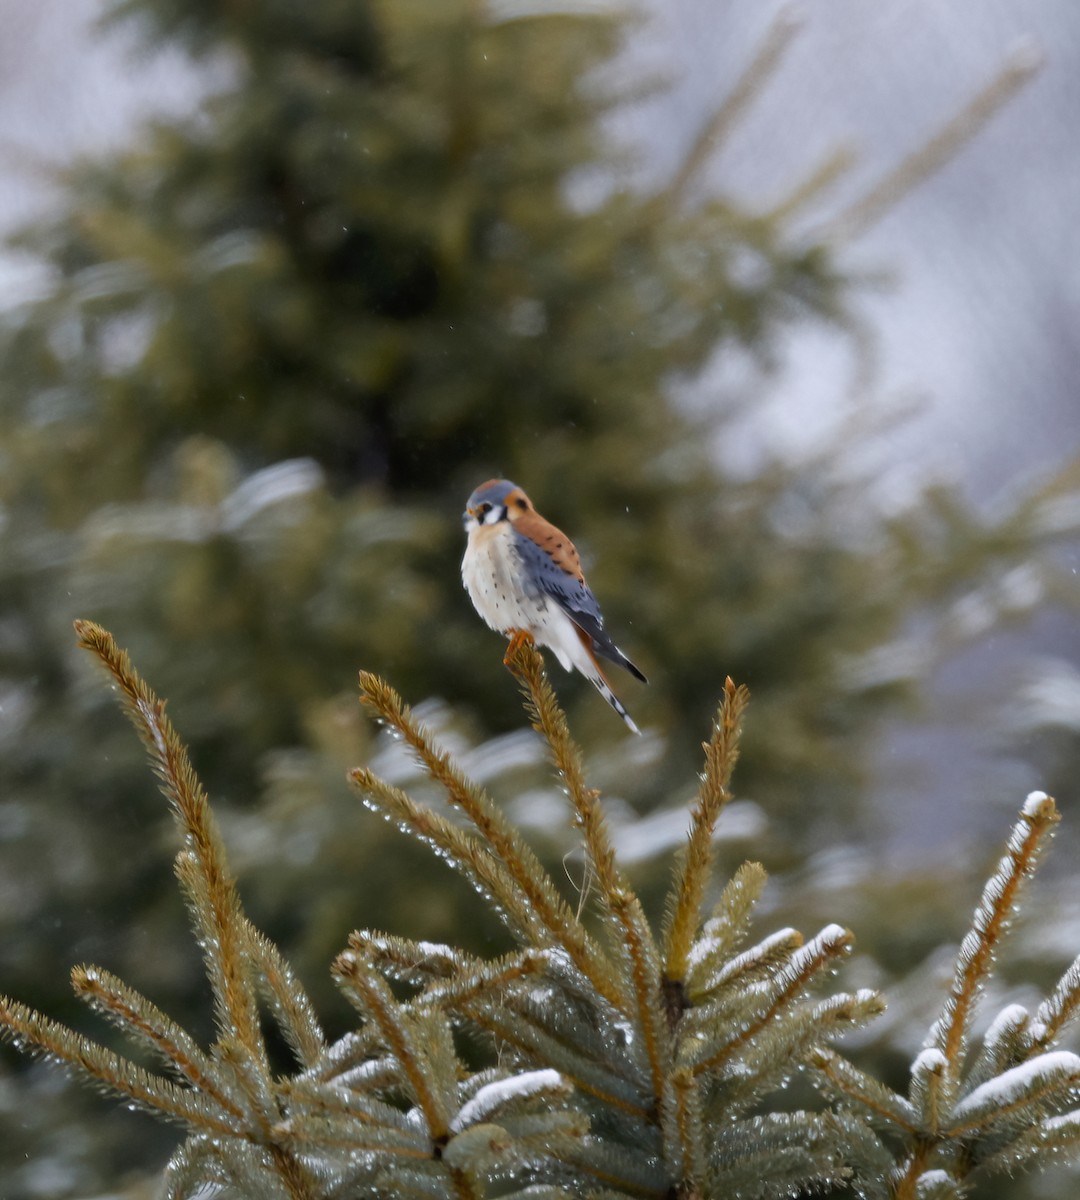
[[517, 640]]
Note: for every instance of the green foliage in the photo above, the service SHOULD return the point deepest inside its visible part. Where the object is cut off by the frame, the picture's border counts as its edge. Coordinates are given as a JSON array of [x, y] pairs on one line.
[[622, 1064], [394, 253]]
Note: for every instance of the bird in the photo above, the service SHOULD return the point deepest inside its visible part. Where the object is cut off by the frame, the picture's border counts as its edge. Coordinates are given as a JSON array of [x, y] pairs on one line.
[[524, 578]]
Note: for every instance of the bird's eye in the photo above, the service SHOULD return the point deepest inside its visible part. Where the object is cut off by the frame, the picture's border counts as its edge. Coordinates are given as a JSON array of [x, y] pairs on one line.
[[522, 503], [484, 509]]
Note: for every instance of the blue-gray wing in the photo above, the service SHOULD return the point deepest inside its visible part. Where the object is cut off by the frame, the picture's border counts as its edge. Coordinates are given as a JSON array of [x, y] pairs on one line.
[[575, 598]]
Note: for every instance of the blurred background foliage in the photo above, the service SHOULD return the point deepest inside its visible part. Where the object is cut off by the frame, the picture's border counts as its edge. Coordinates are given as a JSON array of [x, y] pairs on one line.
[[394, 254]]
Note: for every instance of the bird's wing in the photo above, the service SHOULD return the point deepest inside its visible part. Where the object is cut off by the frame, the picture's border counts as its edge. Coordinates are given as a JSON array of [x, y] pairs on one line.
[[562, 552], [553, 565]]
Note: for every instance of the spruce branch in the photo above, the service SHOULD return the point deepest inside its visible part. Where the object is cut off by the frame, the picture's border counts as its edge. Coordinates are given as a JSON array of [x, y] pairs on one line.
[[749, 85], [1058, 1009], [366, 988], [653, 1060], [447, 978], [506, 846], [784, 989], [833, 167], [747, 968], [765, 1062], [334, 1112], [625, 1170], [779, 1155], [695, 862], [148, 1025], [938, 150], [607, 1082], [487, 983], [418, 964], [258, 1089], [36, 1033], [306, 1132], [354, 1056], [1053, 1138], [494, 1099], [1006, 1042], [290, 1004], [635, 937], [225, 944], [928, 1089], [727, 927], [527, 665], [291, 1171], [644, 967], [684, 1127], [1048, 1079], [997, 1114], [190, 1165], [487, 874], [980, 945], [884, 1106]]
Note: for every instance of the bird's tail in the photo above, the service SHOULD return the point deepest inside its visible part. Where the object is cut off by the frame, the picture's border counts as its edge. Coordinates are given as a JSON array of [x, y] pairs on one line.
[[604, 688], [623, 661], [599, 681], [600, 643]]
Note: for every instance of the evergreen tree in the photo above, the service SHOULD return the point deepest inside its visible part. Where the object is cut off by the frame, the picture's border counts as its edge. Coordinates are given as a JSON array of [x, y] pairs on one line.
[[282, 342]]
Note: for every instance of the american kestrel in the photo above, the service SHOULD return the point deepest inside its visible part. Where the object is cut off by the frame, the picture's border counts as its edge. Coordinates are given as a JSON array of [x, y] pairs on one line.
[[524, 578]]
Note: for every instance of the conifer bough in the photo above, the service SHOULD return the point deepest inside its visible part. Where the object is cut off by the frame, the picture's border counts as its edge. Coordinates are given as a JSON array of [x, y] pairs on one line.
[[624, 1061]]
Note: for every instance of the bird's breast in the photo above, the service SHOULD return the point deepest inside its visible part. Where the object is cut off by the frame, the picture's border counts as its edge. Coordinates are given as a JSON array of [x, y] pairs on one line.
[[493, 574]]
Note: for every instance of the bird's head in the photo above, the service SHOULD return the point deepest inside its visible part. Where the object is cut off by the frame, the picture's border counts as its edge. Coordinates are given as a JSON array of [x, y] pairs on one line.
[[495, 501]]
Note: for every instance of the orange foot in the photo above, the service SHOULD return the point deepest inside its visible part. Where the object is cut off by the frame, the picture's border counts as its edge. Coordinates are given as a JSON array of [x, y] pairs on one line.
[[518, 638]]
